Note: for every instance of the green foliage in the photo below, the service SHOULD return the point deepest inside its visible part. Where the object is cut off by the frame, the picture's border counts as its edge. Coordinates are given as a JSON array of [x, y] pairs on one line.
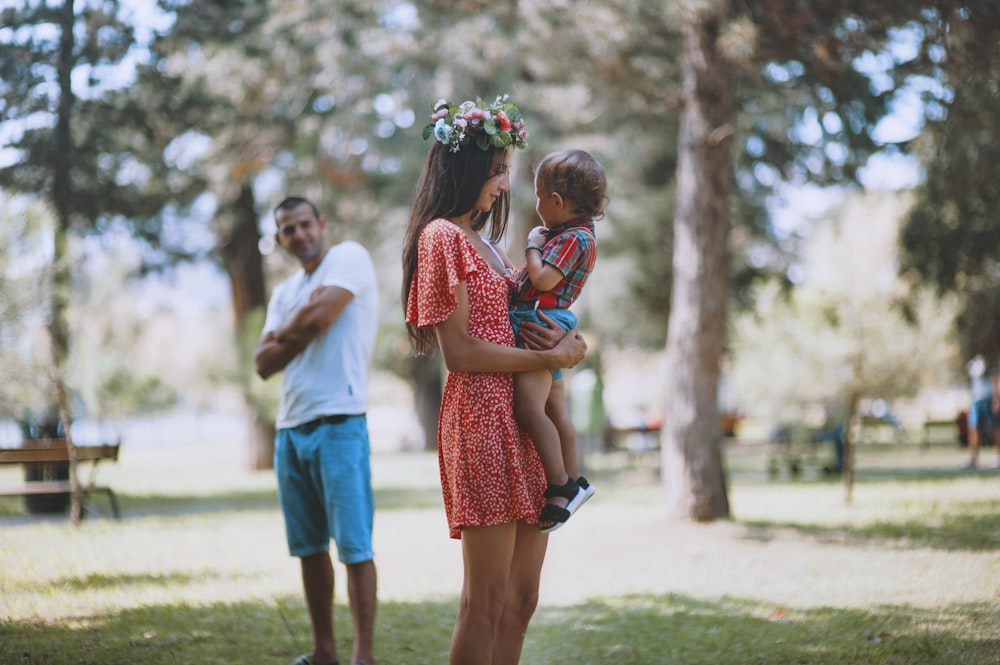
[[25, 228], [124, 392], [842, 332], [952, 231]]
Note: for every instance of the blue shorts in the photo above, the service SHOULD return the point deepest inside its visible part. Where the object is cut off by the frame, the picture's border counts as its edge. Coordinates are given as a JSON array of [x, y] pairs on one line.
[[325, 489], [981, 415], [565, 318]]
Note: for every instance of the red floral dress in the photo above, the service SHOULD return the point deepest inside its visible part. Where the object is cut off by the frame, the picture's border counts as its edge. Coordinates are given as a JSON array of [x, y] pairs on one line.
[[490, 472]]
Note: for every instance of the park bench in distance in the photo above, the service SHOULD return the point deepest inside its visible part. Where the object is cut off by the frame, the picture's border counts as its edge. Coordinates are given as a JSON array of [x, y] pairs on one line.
[[55, 451]]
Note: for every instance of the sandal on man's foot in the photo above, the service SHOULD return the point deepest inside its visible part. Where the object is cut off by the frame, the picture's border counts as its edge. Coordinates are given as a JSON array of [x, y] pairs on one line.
[[556, 514], [307, 659]]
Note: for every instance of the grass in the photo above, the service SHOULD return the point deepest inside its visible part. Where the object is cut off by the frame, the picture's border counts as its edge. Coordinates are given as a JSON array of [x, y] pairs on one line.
[[197, 572]]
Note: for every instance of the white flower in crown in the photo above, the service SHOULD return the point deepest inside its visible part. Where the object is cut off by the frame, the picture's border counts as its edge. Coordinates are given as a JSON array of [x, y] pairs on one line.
[[497, 125]]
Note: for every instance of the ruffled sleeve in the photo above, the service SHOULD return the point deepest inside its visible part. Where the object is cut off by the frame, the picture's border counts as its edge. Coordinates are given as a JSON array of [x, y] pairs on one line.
[[444, 258]]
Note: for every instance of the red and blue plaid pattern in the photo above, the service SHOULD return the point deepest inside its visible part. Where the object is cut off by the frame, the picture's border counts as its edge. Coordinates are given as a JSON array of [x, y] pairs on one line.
[[572, 250]]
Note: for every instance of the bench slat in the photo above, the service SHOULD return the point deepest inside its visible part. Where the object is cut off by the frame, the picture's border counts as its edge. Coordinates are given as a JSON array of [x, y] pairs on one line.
[[58, 454], [48, 487]]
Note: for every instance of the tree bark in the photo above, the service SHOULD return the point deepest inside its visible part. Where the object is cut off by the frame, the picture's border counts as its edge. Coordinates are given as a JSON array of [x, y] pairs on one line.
[[425, 376], [62, 193], [692, 473], [242, 260]]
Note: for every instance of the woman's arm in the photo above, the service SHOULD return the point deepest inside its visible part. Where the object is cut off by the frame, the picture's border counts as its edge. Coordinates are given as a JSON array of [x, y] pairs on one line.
[[464, 353]]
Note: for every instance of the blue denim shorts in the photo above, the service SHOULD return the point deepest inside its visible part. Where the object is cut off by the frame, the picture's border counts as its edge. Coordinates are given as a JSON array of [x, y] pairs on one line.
[[981, 414], [565, 318], [325, 489]]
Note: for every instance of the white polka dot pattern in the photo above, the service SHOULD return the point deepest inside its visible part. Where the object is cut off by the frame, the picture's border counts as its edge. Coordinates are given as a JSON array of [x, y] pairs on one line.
[[490, 472]]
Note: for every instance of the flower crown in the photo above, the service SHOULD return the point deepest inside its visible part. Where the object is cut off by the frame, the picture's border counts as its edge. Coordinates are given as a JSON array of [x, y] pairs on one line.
[[495, 126]]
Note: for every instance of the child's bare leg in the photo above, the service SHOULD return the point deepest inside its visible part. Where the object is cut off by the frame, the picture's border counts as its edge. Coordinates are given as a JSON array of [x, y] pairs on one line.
[[531, 391], [558, 412]]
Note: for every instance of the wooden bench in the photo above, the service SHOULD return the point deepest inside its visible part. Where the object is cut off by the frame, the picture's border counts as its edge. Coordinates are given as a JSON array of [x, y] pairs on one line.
[[941, 431], [48, 451]]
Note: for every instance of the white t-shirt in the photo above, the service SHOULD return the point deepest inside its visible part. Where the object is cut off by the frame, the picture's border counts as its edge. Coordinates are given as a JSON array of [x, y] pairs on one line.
[[330, 376]]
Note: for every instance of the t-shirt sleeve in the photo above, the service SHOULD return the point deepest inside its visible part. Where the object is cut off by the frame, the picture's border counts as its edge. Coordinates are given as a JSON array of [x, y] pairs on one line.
[[564, 252], [353, 269], [443, 261], [273, 319]]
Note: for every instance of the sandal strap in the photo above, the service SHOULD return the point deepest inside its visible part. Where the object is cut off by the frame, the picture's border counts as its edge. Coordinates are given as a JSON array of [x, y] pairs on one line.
[[553, 513], [567, 491]]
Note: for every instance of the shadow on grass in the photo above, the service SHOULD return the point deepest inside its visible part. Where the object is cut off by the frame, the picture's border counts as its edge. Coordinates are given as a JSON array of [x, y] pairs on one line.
[[155, 505], [635, 630], [977, 529], [98, 581]]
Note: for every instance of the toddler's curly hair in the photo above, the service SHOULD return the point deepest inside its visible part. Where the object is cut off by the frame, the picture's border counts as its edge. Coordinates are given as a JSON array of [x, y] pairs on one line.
[[577, 177]]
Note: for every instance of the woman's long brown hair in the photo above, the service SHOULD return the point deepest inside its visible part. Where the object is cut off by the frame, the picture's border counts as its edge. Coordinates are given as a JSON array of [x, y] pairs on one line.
[[449, 185]]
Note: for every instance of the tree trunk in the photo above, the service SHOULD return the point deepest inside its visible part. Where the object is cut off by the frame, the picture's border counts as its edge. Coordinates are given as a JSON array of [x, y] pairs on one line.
[[62, 193], [240, 252], [691, 469], [425, 376]]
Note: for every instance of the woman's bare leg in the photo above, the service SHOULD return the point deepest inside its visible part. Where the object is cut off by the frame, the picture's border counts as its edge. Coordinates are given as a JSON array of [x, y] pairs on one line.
[[487, 552], [522, 593]]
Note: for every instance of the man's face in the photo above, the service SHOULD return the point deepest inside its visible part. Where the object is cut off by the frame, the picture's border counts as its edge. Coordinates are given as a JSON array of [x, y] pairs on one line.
[[301, 233]]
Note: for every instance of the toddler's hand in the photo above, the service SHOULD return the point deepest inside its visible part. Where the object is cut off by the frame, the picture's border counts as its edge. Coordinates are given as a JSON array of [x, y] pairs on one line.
[[536, 238]]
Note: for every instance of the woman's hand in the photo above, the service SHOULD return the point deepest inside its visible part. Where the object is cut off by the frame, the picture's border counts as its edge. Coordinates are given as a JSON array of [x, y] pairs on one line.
[[570, 346], [541, 338]]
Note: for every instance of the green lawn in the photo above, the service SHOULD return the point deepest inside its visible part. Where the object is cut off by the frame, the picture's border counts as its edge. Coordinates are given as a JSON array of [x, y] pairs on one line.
[[197, 572]]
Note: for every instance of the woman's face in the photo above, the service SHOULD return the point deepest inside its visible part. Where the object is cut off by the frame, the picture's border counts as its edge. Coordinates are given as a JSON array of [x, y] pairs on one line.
[[497, 183]]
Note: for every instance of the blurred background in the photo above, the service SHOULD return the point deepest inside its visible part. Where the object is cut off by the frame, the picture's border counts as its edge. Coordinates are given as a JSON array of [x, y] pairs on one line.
[[143, 146]]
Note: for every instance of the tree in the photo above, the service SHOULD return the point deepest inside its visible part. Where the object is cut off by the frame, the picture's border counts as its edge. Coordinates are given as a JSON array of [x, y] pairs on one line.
[[732, 54], [292, 97], [38, 73], [25, 228], [692, 465], [850, 329], [951, 233]]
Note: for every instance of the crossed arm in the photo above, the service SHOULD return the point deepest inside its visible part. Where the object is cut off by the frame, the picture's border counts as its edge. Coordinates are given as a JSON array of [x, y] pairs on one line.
[[277, 348]]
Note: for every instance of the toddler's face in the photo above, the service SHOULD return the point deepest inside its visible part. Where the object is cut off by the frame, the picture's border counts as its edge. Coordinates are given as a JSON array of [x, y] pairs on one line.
[[546, 205]]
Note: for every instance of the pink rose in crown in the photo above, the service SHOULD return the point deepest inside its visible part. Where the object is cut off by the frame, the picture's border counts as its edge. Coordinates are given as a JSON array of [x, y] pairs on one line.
[[475, 115], [504, 121]]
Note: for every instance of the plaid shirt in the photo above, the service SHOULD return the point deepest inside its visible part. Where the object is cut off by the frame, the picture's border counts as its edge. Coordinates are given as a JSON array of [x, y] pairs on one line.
[[571, 249]]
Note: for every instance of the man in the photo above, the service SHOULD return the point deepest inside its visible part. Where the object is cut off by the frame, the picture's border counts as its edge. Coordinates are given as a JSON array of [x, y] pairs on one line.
[[320, 330], [983, 417]]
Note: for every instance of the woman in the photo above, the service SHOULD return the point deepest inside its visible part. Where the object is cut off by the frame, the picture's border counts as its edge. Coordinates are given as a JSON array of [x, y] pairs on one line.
[[455, 290]]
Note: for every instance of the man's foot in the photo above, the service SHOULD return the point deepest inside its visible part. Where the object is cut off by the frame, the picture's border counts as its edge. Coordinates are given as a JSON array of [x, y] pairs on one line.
[[307, 659], [996, 465], [970, 466]]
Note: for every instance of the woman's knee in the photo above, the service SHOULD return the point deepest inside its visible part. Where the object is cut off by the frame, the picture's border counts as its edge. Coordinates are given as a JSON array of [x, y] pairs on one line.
[[487, 603], [522, 603]]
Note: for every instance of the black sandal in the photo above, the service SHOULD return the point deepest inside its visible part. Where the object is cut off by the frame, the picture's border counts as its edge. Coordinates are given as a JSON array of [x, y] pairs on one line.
[[557, 514]]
